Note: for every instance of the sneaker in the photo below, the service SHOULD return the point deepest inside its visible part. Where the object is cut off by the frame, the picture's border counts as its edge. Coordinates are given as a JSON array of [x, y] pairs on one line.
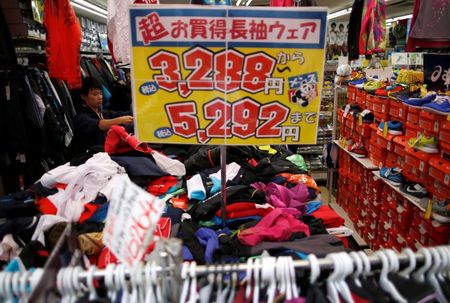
[[388, 89], [419, 101], [414, 189], [395, 128], [394, 175], [372, 86], [357, 82], [367, 116], [440, 104], [358, 150], [426, 144], [441, 209]]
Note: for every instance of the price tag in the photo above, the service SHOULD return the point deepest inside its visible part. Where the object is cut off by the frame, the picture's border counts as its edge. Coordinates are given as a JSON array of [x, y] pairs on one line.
[[436, 126], [360, 120], [447, 179], [421, 166], [448, 118], [133, 215], [385, 129], [347, 109], [429, 209], [8, 92]]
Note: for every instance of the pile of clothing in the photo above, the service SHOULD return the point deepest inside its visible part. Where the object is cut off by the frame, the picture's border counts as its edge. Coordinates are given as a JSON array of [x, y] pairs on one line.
[[272, 204]]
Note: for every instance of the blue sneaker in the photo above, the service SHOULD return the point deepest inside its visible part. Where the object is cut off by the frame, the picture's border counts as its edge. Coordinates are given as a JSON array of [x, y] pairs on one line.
[[356, 82], [394, 175], [418, 102], [395, 128], [441, 105]]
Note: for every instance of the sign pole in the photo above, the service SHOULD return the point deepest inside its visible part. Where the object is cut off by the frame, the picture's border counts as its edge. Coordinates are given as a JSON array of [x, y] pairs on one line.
[[223, 172]]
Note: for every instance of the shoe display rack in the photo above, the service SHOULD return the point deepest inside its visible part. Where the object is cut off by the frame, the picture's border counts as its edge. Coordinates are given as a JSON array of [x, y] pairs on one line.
[[384, 214]]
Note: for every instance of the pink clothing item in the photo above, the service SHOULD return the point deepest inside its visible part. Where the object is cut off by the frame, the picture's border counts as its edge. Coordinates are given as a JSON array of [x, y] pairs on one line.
[[277, 226], [287, 198], [372, 38], [281, 2]]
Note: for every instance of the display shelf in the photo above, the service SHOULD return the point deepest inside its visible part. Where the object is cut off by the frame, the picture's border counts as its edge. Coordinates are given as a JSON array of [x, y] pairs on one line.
[[319, 175], [341, 212], [366, 162], [28, 39], [415, 201]]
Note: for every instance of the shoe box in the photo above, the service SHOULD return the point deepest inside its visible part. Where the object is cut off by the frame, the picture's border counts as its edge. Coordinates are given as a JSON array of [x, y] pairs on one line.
[[398, 110], [413, 115], [429, 232], [412, 129], [400, 142], [439, 171], [381, 108], [360, 97], [444, 136], [429, 123], [370, 102], [415, 167], [351, 94]]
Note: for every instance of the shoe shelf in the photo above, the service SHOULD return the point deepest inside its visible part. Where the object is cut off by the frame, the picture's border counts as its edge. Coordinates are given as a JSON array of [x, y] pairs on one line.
[[366, 162], [415, 201]]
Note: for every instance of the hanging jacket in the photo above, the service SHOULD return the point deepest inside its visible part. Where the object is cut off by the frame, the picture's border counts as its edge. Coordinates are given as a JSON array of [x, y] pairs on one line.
[[372, 38], [354, 29]]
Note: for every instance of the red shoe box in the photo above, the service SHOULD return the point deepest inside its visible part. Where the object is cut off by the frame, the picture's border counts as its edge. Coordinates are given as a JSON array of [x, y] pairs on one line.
[[429, 122], [445, 147], [422, 238], [398, 110], [412, 129], [377, 154], [384, 142], [440, 190], [400, 143], [364, 130], [370, 102], [340, 116], [417, 159], [438, 232], [351, 93], [360, 98], [440, 169], [444, 133], [413, 115], [398, 240], [381, 108], [349, 121]]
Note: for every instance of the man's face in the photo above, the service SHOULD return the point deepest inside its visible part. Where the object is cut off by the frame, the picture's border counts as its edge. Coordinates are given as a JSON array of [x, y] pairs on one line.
[[94, 98]]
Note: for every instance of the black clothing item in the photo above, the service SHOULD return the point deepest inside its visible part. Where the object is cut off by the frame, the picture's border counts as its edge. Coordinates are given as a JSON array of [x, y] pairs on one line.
[[445, 286], [413, 290], [197, 250], [22, 229], [139, 166], [34, 255], [86, 131], [81, 158], [369, 285], [316, 226], [268, 168], [364, 293], [354, 28], [41, 190], [230, 248], [237, 193], [315, 294]]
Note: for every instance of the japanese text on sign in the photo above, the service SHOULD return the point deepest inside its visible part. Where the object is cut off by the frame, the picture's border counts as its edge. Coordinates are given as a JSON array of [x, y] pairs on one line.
[[227, 75]]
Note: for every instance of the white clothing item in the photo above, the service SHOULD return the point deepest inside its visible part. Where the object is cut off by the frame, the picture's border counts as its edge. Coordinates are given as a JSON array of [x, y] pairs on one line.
[[45, 223], [195, 187], [170, 166], [232, 171], [9, 249], [84, 183], [119, 29]]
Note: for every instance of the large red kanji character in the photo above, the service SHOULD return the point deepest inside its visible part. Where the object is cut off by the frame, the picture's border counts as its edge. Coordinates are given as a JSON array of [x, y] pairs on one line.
[[279, 26], [178, 28], [218, 28], [239, 29], [151, 28], [292, 34], [308, 26], [198, 28], [258, 31]]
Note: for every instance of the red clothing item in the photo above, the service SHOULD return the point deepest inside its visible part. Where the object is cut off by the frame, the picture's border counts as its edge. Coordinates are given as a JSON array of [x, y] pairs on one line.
[[89, 211], [119, 141], [46, 207], [245, 209], [161, 185], [330, 217], [63, 42]]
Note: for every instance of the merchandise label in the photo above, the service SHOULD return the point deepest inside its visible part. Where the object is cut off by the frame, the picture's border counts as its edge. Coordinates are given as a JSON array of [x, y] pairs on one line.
[[385, 129], [132, 217], [437, 72], [8, 92], [429, 209], [223, 75]]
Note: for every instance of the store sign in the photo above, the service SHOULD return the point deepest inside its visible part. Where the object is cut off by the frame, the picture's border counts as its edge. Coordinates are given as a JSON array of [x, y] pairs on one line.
[[215, 75], [133, 216], [437, 72]]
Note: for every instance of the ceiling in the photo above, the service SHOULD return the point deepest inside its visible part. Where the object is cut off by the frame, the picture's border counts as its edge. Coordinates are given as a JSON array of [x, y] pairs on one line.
[[395, 8]]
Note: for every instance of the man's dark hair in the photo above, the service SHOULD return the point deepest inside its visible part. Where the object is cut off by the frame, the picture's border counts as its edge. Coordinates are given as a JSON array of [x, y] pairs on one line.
[[341, 26], [88, 84], [333, 24]]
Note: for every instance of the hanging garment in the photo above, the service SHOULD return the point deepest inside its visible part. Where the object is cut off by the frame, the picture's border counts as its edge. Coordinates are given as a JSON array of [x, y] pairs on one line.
[[63, 42], [276, 227], [372, 38], [430, 25], [119, 29], [354, 28]]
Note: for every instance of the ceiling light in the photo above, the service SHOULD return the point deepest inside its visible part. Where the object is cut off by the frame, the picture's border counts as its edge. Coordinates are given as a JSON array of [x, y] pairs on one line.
[[88, 10], [238, 2], [339, 13], [399, 18], [248, 2], [91, 6]]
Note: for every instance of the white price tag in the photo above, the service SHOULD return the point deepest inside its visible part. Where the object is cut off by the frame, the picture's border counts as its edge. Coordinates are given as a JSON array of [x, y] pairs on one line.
[[347, 109], [8, 92], [131, 221]]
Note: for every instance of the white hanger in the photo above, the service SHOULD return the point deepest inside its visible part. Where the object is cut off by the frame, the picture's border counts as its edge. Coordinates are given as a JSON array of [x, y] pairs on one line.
[[315, 268], [2, 288], [123, 284], [280, 277], [24, 285], [419, 274], [109, 281], [234, 283], [78, 287], [445, 260], [256, 276], [287, 277], [248, 277], [139, 280], [15, 284], [186, 281], [412, 263], [59, 284], [343, 288], [359, 267], [156, 283], [150, 293], [366, 264], [90, 283], [431, 274], [193, 295], [332, 292], [268, 276], [219, 282], [384, 282], [291, 267], [393, 259], [135, 275]]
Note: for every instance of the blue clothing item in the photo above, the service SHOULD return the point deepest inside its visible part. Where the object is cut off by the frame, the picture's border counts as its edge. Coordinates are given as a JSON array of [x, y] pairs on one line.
[[187, 255], [217, 185], [106, 96], [218, 221], [222, 231], [312, 206], [441, 104], [356, 82], [139, 166], [417, 101], [279, 180], [100, 214], [394, 175], [208, 238]]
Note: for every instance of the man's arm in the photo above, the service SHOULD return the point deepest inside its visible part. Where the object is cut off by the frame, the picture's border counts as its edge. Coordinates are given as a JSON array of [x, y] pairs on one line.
[[105, 124]]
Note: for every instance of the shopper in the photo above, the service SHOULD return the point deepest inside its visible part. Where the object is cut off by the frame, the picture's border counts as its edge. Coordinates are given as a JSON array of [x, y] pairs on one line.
[[91, 122]]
